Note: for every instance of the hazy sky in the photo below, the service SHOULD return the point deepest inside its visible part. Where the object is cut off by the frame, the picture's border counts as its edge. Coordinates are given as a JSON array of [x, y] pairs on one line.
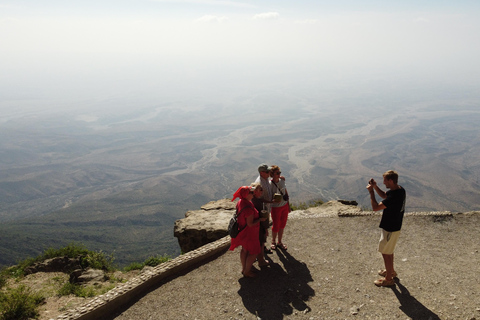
[[98, 49]]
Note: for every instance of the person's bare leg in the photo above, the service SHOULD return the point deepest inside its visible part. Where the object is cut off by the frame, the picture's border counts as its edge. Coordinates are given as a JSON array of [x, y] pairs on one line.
[[261, 258], [388, 280], [274, 238], [280, 235], [243, 259], [248, 266], [388, 260]]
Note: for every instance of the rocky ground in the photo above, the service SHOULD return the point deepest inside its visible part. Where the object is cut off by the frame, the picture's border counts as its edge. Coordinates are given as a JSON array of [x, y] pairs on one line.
[[328, 273]]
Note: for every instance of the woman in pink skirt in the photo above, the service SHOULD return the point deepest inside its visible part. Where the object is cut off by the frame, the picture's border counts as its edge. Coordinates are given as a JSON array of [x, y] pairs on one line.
[[249, 223], [280, 209]]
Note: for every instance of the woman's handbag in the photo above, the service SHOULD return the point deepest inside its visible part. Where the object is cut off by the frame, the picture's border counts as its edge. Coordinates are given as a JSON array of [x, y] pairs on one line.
[[233, 229]]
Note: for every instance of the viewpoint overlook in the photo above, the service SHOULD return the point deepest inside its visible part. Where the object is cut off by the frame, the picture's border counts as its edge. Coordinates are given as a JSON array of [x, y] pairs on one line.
[[119, 119], [326, 273]]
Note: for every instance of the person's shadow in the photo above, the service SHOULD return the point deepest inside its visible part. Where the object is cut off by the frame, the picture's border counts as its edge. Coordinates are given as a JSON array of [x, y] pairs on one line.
[[278, 291], [413, 308]]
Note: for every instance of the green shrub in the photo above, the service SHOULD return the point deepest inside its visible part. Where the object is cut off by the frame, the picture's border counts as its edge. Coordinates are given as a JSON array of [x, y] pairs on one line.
[[97, 260], [72, 250], [77, 290], [151, 261], [19, 304], [155, 261], [134, 266]]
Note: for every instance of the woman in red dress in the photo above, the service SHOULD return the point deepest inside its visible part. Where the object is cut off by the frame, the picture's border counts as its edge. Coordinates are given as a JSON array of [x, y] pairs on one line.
[[249, 221]]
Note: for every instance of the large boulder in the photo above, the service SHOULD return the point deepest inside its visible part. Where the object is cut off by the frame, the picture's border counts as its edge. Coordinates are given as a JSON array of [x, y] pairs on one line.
[[200, 227]]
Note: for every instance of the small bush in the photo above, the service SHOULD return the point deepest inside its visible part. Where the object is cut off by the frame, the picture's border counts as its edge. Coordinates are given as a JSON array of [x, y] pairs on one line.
[[77, 290], [134, 266], [72, 250], [155, 261], [151, 261], [19, 304], [97, 260]]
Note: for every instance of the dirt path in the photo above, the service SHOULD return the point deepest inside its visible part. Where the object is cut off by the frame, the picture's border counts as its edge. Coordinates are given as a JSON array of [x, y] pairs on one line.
[[328, 273]]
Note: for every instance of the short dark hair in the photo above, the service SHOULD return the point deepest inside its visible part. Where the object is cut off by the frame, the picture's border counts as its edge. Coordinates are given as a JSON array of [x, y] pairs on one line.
[[391, 175]]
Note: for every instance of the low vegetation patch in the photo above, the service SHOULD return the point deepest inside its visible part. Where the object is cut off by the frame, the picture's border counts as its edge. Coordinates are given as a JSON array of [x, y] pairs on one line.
[[77, 290], [151, 262], [88, 259], [19, 303]]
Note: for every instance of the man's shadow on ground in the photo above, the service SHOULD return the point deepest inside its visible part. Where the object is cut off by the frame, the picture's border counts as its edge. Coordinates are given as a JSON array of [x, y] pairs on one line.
[[278, 291], [411, 306]]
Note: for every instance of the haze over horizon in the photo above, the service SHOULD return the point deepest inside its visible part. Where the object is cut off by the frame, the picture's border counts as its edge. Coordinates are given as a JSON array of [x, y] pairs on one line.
[[115, 56]]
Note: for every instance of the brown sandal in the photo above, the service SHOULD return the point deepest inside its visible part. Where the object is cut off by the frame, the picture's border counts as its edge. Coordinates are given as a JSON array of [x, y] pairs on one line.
[[273, 246], [281, 246], [384, 282], [383, 273]]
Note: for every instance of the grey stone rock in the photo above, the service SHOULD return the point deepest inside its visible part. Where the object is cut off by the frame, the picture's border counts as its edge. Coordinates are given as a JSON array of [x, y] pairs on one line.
[[223, 204], [57, 264], [88, 275], [200, 227]]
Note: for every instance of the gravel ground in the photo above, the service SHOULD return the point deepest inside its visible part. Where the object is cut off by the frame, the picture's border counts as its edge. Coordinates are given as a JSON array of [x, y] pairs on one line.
[[328, 273]]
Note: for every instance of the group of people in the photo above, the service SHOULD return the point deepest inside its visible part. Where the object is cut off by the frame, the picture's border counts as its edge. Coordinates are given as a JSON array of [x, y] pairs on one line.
[[266, 196]]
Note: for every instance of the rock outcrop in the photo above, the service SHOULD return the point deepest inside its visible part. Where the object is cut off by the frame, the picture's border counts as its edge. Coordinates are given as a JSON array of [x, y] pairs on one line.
[[90, 275], [200, 227], [203, 226], [58, 264]]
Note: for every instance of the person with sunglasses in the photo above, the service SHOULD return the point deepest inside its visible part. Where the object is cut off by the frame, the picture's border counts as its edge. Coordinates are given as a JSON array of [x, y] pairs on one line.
[[280, 208], [249, 224]]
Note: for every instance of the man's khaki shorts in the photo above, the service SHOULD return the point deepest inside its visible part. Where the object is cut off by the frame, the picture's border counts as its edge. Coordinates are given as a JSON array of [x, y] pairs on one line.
[[388, 240]]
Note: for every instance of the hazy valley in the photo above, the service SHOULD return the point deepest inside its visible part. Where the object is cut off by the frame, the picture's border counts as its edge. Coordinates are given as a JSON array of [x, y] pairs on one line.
[[117, 180]]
